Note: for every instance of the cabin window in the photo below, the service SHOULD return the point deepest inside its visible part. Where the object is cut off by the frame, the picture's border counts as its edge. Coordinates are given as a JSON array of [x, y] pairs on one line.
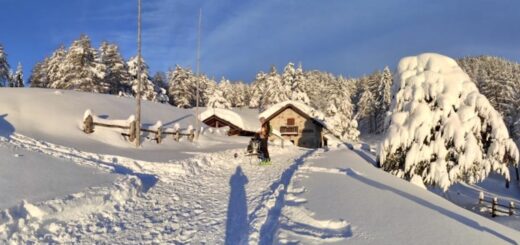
[[290, 121]]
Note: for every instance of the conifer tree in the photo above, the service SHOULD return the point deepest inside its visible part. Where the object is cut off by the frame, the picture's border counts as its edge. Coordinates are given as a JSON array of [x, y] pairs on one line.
[[443, 136], [297, 90], [18, 77], [4, 67], [367, 107], [79, 69], [384, 98], [148, 89], [217, 98], [180, 87], [117, 76]]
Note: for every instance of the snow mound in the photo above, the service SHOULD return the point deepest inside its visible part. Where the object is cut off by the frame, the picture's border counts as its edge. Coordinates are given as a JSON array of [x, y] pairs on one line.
[[441, 128], [28, 211]]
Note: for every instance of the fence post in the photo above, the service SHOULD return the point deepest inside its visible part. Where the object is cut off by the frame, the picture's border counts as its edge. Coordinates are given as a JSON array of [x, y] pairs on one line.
[[511, 208], [88, 125], [132, 131], [192, 135], [158, 135], [494, 207], [481, 198]]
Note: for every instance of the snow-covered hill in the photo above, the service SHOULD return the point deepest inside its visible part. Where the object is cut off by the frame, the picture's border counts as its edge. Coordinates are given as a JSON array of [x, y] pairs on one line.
[[56, 116], [108, 191]]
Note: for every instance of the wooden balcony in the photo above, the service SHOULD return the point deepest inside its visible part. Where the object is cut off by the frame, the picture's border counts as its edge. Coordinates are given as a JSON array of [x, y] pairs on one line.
[[289, 130]]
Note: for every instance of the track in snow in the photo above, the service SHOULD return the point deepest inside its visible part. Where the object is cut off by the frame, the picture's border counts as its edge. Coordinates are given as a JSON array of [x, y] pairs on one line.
[[205, 199]]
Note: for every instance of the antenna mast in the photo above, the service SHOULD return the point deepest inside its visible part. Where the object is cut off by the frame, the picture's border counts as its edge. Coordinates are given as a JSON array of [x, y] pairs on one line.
[[138, 112], [197, 122]]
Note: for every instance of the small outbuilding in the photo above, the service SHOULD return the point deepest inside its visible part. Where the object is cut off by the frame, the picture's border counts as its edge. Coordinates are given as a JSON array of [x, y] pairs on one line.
[[241, 121], [293, 121]]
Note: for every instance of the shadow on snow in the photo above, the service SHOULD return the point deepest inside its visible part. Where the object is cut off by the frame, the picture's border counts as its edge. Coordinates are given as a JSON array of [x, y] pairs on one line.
[[237, 220], [6, 129], [425, 203]]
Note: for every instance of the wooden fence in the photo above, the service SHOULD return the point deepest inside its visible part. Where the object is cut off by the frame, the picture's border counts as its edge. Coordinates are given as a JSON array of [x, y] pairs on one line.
[[90, 122], [496, 207]]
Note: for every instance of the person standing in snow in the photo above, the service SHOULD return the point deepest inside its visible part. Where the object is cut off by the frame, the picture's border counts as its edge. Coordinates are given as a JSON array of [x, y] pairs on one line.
[[264, 136]]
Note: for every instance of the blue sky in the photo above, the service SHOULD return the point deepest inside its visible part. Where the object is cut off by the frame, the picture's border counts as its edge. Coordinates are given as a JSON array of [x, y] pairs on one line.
[[240, 38]]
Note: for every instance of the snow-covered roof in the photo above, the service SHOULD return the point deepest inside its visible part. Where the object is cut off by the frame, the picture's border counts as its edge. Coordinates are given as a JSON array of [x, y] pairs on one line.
[[244, 118], [307, 110]]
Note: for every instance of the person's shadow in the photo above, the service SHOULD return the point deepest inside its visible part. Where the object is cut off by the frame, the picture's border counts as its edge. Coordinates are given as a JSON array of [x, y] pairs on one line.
[[237, 225], [6, 129]]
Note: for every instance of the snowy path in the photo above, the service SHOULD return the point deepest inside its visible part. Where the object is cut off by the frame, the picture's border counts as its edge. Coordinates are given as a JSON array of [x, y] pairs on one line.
[[210, 198], [338, 197]]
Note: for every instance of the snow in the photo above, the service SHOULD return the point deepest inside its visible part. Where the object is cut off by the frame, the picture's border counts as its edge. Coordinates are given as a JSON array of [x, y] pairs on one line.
[[350, 202], [206, 192], [58, 119], [36, 177], [244, 118]]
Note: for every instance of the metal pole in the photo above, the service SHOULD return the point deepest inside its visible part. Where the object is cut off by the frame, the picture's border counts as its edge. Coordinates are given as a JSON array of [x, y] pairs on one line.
[[197, 120], [138, 112]]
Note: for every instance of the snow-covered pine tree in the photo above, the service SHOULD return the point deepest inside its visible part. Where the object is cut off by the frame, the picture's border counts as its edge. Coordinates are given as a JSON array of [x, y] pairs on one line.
[[18, 76], [160, 79], [274, 90], [318, 86], [282, 86], [339, 115], [207, 86], [4, 67], [367, 108], [38, 78], [217, 98], [161, 83], [499, 80], [181, 83], [384, 98], [258, 89], [79, 69], [241, 95], [117, 77], [442, 130], [48, 71], [297, 87], [148, 89], [10, 81], [227, 90]]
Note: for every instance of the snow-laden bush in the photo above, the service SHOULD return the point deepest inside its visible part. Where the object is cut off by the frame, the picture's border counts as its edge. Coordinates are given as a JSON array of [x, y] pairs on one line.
[[441, 128]]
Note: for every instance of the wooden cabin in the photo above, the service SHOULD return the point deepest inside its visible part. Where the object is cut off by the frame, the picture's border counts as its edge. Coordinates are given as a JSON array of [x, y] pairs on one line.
[[242, 122], [293, 123]]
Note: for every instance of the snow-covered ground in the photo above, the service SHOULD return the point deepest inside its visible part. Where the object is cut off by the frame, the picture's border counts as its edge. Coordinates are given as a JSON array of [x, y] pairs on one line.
[[466, 195], [110, 192], [55, 116], [338, 197], [37, 177]]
